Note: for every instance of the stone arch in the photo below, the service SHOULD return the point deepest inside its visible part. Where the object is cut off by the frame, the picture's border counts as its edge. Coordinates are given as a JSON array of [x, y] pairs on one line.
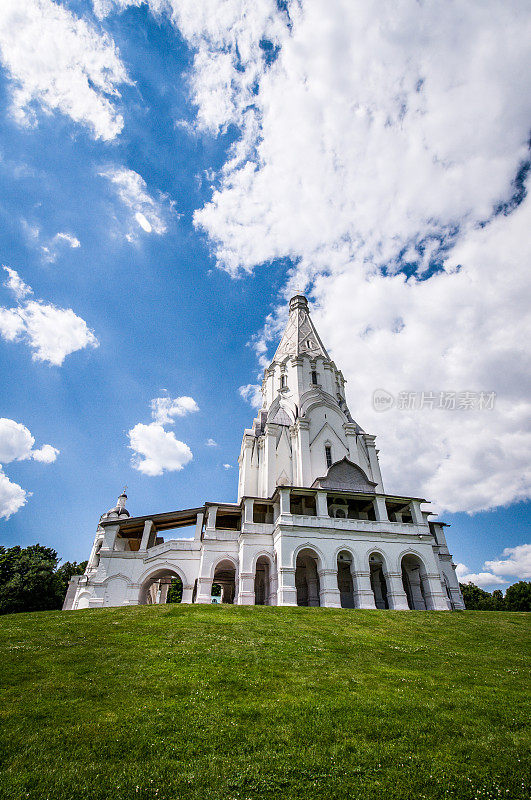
[[156, 583], [263, 554], [164, 566], [224, 575], [223, 557], [264, 579], [414, 580], [346, 577], [378, 576], [307, 568], [308, 546], [82, 601], [116, 589], [313, 399]]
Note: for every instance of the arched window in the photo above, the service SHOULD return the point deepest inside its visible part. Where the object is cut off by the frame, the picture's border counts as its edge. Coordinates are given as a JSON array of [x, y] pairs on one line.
[[283, 382], [314, 377], [328, 455]]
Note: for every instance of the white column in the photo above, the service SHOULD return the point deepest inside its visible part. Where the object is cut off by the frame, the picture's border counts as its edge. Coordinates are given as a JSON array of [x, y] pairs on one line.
[[328, 378], [329, 594], [246, 589], [352, 444], [187, 594], [199, 526], [396, 596], [149, 527], [109, 537], [434, 593], [286, 592], [380, 508], [416, 513], [248, 505], [373, 461], [211, 517], [245, 466], [285, 507], [270, 458], [295, 477], [204, 590], [303, 436], [363, 593], [322, 504]]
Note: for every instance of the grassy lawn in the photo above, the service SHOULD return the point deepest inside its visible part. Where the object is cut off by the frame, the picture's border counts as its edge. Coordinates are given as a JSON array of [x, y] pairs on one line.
[[205, 702]]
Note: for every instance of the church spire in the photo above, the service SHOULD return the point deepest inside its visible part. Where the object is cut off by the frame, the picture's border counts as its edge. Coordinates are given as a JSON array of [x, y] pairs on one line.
[[300, 336]]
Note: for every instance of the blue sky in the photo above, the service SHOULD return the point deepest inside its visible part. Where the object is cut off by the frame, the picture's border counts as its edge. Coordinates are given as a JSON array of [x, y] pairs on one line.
[[244, 202]]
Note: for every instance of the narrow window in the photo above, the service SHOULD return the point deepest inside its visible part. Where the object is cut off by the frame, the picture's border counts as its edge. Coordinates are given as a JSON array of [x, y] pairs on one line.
[[314, 377], [282, 381], [328, 455]]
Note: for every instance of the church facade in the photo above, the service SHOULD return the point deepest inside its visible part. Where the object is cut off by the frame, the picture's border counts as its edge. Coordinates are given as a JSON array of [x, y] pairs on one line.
[[313, 525]]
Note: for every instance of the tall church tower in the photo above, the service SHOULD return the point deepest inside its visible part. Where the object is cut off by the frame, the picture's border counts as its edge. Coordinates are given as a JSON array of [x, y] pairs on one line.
[[304, 425], [312, 524]]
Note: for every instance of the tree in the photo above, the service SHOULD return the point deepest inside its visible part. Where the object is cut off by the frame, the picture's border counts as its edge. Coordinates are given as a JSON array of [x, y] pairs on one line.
[[64, 573], [175, 591], [498, 600], [518, 596], [476, 599], [30, 579]]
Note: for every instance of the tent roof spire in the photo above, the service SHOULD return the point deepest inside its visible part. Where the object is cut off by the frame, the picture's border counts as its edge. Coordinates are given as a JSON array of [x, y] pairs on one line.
[[300, 336]]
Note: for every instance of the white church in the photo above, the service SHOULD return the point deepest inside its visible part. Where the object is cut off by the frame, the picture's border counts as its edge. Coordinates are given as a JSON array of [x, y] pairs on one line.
[[313, 525]]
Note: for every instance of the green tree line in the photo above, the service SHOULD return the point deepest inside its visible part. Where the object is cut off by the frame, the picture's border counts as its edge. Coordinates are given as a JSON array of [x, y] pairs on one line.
[[517, 597], [31, 578]]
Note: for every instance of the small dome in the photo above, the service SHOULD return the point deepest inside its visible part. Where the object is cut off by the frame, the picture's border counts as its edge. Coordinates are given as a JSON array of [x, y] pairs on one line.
[[119, 511]]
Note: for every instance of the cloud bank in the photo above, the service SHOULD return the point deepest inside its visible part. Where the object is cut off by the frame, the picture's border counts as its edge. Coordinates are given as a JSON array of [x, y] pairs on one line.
[[60, 62], [384, 150], [515, 564]]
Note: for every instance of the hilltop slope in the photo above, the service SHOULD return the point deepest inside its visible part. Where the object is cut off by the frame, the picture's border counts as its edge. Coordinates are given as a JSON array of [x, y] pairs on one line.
[[225, 702]]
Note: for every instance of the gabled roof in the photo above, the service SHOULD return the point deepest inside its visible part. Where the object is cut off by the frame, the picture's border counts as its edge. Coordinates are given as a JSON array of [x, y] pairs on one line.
[[300, 336], [345, 476]]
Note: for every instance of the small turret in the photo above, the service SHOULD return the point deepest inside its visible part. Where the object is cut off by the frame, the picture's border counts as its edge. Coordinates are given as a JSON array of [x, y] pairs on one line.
[[119, 511]]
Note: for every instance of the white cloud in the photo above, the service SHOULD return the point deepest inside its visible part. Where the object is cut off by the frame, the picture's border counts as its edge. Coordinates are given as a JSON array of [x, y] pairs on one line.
[[252, 394], [211, 443], [51, 250], [165, 409], [227, 466], [60, 62], [131, 188], [227, 38], [517, 562], [378, 129], [45, 454], [16, 444], [383, 134], [12, 496], [516, 565], [481, 579], [52, 333], [16, 285], [156, 450]]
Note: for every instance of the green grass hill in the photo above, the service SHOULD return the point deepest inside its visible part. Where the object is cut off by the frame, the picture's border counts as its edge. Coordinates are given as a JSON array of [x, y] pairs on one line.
[[219, 702]]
